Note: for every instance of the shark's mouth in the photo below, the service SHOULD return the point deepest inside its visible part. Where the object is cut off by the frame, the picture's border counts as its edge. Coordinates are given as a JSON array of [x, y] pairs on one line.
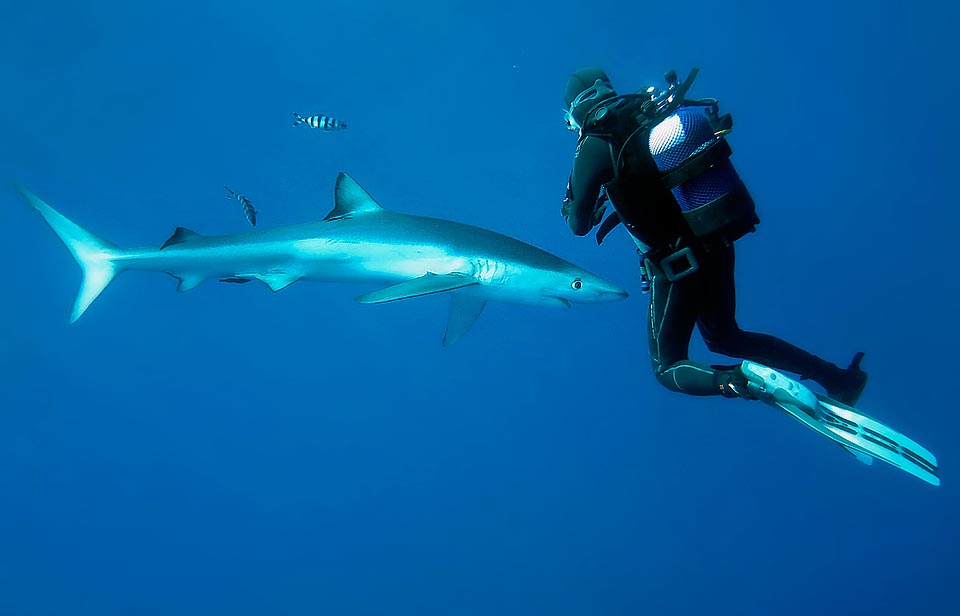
[[613, 295]]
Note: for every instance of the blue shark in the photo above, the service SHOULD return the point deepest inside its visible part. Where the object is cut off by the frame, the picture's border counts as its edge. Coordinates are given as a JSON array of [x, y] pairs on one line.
[[358, 241]]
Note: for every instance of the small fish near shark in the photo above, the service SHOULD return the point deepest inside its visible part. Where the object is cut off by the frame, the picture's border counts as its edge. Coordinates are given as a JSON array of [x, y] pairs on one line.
[[320, 122], [358, 241], [249, 212]]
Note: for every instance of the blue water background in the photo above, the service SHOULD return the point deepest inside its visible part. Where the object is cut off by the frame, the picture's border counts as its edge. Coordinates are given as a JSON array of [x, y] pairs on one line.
[[235, 451]]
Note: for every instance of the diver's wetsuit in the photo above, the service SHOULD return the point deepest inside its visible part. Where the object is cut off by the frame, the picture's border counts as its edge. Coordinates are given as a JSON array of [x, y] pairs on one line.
[[706, 298]]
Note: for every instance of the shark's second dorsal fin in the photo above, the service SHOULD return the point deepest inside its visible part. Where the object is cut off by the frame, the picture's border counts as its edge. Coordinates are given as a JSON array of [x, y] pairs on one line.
[[351, 199], [180, 235]]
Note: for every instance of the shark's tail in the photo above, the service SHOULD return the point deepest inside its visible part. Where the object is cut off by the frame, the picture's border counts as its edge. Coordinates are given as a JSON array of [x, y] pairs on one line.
[[96, 257]]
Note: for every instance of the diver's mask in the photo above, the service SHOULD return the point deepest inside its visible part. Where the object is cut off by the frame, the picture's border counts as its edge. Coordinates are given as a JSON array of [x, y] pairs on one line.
[[600, 90]]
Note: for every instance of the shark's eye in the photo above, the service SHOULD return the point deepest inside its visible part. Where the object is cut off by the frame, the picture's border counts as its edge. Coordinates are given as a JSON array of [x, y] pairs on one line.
[[577, 284]]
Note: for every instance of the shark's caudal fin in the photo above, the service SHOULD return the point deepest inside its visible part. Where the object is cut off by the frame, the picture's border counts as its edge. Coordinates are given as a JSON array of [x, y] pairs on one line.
[[94, 255]]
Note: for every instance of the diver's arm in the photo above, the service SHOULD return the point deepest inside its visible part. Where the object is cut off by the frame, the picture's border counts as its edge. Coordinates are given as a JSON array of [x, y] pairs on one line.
[[592, 167]]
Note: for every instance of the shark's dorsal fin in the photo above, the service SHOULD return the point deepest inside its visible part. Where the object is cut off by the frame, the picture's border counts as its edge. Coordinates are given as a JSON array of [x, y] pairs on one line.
[[351, 199], [180, 235]]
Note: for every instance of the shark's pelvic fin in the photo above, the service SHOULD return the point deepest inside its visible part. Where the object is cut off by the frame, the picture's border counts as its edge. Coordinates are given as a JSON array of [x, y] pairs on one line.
[[188, 282], [351, 199], [180, 235], [425, 285], [278, 280], [94, 255], [464, 312]]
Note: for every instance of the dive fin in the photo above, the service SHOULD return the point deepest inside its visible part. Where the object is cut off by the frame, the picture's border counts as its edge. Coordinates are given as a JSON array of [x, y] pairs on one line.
[[427, 284], [859, 455], [464, 312], [857, 431], [863, 436], [94, 255]]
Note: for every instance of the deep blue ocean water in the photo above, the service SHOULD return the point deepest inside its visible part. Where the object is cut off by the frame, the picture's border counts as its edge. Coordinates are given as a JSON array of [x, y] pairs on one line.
[[234, 451]]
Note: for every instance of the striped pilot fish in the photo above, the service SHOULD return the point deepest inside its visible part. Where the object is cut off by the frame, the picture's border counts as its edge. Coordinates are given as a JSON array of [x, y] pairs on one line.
[[248, 210], [323, 122]]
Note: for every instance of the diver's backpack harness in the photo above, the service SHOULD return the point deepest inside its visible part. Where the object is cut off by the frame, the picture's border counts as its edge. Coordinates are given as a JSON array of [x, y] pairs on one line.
[[686, 140]]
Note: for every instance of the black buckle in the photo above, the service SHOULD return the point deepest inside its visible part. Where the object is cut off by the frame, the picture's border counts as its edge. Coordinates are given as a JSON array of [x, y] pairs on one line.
[[679, 265]]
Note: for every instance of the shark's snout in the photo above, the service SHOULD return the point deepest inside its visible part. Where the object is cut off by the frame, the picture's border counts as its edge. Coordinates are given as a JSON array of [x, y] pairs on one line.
[[613, 296], [594, 290], [601, 290]]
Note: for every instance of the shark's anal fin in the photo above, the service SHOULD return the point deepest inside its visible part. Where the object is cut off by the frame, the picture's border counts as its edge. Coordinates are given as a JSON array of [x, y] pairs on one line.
[[427, 284], [180, 235], [464, 312], [235, 280]]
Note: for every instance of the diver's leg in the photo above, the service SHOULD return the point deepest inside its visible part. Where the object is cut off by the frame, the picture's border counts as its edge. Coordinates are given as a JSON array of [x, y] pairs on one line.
[[722, 334], [672, 316]]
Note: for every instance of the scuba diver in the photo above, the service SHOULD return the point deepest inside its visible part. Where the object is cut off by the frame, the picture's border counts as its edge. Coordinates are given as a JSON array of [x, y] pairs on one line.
[[662, 162]]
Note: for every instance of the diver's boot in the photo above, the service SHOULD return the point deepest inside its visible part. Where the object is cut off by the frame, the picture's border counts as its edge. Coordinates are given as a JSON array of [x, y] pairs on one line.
[[733, 384], [850, 383]]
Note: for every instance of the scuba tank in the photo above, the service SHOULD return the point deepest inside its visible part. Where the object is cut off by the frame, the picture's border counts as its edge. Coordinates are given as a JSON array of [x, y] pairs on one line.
[[685, 139], [695, 161]]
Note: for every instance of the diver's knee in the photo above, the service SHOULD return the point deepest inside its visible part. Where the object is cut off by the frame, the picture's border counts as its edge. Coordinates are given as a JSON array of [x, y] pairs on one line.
[[666, 378], [725, 343]]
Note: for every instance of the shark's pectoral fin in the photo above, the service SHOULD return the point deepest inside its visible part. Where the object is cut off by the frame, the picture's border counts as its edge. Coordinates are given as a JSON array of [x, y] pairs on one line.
[[425, 285], [464, 312], [187, 281], [278, 280]]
